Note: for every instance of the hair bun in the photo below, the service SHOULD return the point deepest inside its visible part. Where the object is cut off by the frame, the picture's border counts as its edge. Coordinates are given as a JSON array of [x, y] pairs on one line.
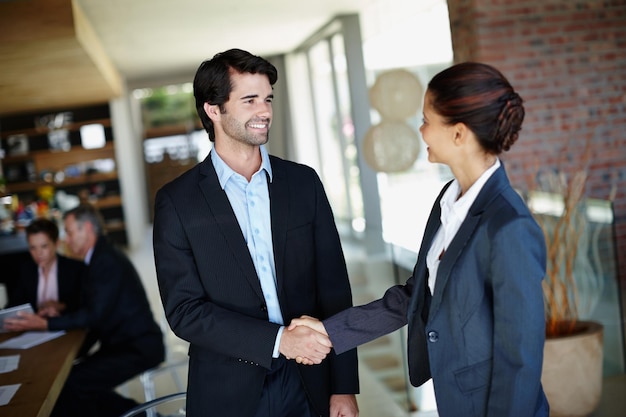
[[509, 121]]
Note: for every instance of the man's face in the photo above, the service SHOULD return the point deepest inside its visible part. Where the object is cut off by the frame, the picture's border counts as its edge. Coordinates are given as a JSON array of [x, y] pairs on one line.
[[248, 114], [76, 236]]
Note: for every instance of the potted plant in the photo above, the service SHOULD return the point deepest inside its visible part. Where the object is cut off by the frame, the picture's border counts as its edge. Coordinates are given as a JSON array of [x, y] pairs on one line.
[[573, 352]]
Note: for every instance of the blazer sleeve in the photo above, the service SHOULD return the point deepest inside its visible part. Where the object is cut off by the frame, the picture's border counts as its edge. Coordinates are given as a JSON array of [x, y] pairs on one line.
[[103, 283], [70, 280], [334, 291], [25, 289], [361, 324], [516, 274]]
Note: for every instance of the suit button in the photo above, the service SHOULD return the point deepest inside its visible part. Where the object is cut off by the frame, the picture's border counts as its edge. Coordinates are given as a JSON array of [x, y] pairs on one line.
[[433, 336], [263, 308]]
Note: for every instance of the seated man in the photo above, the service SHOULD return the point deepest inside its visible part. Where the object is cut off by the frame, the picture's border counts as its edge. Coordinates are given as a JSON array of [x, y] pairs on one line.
[[117, 313], [49, 282]]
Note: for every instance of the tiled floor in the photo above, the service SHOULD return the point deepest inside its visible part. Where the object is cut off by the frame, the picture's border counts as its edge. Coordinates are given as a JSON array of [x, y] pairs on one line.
[[375, 400]]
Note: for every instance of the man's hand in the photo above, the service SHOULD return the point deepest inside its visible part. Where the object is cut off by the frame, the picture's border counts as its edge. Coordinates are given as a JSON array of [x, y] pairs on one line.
[[312, 323], [343, 405], [50, 309], [308, 321], [25, 321], [302, 341]]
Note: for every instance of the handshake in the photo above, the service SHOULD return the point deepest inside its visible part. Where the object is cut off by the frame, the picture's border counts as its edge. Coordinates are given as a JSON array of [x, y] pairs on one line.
[[305, 340]]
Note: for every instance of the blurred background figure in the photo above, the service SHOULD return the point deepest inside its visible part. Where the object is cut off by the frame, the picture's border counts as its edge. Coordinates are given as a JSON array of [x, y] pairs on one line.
[[48, 281]]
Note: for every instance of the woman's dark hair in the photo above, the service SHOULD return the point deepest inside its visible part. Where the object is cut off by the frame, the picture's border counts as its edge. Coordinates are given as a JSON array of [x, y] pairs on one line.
[[212, 81], [480, 97], [43, 225]]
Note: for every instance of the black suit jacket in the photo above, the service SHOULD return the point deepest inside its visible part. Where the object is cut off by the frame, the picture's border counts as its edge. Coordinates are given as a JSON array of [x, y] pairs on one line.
[[69, 278], [213, 298], [115, 308]]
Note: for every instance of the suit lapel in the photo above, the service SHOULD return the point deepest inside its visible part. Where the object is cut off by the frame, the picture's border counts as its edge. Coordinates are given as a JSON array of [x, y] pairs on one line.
[[450, 257], [419, 272], [279, 209], [224, 216], [490, 190]]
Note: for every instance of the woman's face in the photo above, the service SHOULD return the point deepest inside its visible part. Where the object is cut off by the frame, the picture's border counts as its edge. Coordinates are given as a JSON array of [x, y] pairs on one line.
[[42, 249], [438, 135]]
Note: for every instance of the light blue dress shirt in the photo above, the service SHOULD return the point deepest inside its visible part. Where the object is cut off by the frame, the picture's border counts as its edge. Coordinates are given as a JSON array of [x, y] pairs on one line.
[[251, 203]]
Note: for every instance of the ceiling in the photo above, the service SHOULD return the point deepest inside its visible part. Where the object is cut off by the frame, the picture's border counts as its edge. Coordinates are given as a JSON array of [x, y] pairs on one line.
[[62, 53]]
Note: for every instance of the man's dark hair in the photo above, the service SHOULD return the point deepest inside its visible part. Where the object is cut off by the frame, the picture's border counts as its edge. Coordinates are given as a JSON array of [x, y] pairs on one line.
[[87, 213], [212, 82]]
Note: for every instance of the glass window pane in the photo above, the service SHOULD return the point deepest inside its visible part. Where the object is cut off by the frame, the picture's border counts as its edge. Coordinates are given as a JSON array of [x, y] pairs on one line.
[[328, 127]]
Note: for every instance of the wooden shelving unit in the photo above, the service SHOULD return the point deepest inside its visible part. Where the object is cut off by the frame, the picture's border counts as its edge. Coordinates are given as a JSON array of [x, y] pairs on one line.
[[72, 171], [53, 161]]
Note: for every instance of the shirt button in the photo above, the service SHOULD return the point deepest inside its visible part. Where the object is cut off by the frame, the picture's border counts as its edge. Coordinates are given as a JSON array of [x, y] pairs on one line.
[[433, 336]]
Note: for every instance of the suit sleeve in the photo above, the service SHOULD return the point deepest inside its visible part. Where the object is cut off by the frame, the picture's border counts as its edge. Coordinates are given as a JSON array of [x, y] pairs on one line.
[[25, 289], [517, 269], [70, 279], [102, 285], [361, 324], [334, 290]]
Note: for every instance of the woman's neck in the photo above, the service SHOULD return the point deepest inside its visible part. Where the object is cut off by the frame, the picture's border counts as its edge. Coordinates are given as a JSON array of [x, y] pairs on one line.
[[468, 172]]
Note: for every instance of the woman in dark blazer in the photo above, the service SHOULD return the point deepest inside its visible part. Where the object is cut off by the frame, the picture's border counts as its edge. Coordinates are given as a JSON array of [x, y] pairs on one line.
[[50, 282], [480, 334]]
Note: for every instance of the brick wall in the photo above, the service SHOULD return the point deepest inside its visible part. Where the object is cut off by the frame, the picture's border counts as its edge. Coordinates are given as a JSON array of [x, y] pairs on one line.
[[567, 59]]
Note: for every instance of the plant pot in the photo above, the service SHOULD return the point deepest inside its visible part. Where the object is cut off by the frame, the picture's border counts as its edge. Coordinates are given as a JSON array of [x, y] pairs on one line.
[[572, 371]]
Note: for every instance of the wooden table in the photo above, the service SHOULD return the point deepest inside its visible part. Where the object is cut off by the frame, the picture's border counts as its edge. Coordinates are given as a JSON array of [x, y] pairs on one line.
[[42, 371]]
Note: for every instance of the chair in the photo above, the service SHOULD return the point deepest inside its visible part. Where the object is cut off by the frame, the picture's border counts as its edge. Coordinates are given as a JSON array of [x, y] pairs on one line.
[[174, 370], [171, 405]]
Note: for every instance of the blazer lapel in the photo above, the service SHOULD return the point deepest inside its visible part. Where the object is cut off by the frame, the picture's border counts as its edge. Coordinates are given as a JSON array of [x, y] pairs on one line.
[[490, 190], [279, 209], [420, 270], [224, 217]]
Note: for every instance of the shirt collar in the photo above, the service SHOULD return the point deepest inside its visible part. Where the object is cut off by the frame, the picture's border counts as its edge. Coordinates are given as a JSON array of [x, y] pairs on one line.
[[224, 172], [53, 266], [460, 207], [89, 255]]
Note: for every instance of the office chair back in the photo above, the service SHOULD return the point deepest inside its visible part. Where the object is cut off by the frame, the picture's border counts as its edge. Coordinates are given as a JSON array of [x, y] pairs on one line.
[[171, 405]]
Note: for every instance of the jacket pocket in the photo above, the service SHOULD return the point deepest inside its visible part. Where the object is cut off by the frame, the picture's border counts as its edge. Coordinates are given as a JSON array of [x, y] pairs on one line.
[[473, 378]]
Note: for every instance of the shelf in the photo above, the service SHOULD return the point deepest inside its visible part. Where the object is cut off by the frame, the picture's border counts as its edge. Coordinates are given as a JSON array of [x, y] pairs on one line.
[[52, 162], [171, 130], [61, 158], [26, 186], [108, 202], [36, 131], [117, 226]]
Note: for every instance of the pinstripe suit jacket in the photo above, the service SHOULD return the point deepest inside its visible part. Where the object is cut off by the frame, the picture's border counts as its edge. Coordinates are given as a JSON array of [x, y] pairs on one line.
[[480, 336], [212, 295]]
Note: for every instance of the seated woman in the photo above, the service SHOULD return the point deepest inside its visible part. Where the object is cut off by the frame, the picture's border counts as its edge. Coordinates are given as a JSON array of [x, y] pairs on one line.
[[50, 282]]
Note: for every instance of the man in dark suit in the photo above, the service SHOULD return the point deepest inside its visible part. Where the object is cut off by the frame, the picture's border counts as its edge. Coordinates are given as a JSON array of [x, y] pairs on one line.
[[243, 243], [117, 313], [51, 283]]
